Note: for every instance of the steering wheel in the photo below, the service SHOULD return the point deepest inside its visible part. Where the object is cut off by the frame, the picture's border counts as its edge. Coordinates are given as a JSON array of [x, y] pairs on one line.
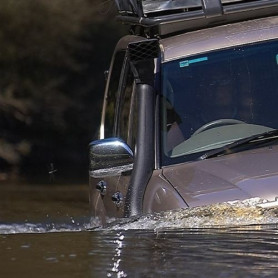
[[215, 123]]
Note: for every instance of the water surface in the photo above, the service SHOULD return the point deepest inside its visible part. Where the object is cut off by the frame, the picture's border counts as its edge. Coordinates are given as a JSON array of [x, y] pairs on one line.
[[46, 232]]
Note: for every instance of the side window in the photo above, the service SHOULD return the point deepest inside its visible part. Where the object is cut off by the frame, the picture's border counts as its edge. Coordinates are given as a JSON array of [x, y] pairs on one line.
[[111, 96], [127, 110]]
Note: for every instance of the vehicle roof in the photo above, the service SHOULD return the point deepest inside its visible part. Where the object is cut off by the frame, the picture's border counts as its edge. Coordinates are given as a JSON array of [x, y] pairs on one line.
[[220, 37]]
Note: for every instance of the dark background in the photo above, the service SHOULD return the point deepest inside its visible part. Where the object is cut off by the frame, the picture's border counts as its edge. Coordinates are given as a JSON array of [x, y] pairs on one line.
[[52, 58]]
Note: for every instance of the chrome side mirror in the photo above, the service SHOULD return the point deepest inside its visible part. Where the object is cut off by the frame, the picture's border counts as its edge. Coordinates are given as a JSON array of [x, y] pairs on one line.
[[109, 157]]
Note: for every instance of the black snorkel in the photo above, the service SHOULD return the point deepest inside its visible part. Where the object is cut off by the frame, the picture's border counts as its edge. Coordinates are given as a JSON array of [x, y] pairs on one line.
[[141, 56]]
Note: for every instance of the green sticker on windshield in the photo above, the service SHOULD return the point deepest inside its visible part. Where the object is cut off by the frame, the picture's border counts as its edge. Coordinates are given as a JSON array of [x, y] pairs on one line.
[[187, 63], [277, 59]]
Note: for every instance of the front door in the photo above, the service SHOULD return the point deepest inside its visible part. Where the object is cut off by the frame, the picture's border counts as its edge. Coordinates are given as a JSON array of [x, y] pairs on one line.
[[119, 120]]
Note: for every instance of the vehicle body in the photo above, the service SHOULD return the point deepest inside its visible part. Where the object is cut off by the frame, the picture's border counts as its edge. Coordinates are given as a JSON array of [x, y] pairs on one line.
[[190, 113]]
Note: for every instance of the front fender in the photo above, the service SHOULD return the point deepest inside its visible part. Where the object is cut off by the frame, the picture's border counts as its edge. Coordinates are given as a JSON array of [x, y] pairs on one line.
[[161, 196]]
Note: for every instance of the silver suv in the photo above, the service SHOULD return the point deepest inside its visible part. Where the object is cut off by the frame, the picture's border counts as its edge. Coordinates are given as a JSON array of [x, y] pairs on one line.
[[190, 112]]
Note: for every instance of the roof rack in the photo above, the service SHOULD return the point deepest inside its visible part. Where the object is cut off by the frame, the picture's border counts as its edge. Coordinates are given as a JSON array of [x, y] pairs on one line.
[[162, 17]]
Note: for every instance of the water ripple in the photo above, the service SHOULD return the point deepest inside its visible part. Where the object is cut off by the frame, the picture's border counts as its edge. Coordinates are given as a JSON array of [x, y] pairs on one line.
[[72, 225]]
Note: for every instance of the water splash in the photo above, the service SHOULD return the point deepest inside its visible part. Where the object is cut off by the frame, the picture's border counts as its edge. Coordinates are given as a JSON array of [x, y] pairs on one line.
[[72, 225], [238, 213]]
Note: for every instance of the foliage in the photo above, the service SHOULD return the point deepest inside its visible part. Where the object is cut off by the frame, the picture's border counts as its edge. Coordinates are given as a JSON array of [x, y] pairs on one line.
[[52, 58]]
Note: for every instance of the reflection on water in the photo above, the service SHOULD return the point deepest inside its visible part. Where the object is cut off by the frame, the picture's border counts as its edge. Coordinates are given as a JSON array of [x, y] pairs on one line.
[[32, 203], [51, 238], [244, 252]]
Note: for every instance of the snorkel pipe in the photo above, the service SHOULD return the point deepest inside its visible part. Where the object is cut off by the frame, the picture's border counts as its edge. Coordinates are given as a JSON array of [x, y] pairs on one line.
[[142, 65]]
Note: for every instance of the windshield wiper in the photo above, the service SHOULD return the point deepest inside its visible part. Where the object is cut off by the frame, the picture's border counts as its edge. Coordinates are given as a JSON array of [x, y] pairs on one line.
[[243, 144]]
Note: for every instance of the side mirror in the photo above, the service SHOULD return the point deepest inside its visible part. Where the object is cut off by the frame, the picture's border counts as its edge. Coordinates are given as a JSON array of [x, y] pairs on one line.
[[109, 157]]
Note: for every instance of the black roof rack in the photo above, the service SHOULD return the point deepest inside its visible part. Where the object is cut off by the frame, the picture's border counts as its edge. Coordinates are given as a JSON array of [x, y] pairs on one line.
[[162, 17]]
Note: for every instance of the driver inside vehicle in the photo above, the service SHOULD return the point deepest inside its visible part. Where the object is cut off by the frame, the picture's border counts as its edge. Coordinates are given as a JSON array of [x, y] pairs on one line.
[[216, 98], [215, 104]]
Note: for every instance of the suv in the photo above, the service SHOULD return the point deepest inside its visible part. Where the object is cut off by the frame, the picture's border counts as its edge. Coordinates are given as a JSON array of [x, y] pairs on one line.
[[190, 112]]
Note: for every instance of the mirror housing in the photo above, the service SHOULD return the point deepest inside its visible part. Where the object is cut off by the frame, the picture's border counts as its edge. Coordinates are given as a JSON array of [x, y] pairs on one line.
[[109, 157]]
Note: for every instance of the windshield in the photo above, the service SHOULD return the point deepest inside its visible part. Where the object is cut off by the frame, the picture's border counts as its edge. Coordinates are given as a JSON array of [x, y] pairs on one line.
[[211, 100]]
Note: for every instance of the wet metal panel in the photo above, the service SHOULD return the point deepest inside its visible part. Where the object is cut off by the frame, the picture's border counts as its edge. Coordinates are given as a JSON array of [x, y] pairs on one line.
[[220, 37]]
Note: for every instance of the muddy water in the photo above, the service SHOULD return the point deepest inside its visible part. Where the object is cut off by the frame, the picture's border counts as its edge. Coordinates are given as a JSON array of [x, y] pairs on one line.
[[46, 232]]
